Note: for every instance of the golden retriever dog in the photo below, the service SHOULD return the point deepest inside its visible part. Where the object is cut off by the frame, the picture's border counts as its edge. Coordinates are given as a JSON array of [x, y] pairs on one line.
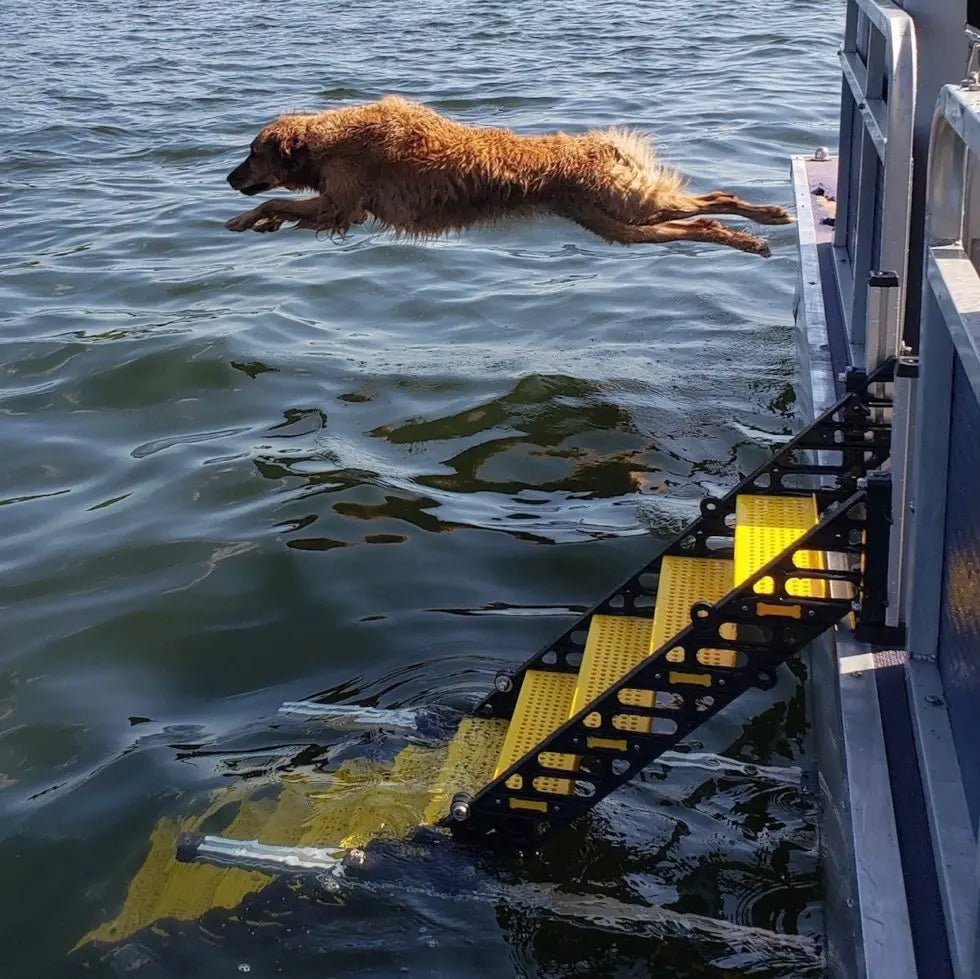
[[417, 173]]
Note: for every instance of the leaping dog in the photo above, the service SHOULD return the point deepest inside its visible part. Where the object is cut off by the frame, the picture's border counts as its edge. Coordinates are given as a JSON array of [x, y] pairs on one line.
[[420, 174]]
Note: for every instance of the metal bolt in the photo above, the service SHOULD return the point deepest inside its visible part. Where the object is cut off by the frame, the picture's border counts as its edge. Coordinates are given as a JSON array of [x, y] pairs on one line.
[[821, 154], [857, 674], [459, 809], [503, 683], [934, 701], [862, 482]]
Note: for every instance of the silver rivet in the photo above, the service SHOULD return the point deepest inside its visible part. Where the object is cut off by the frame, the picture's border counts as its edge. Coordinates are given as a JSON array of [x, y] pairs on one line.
[[503, 683]]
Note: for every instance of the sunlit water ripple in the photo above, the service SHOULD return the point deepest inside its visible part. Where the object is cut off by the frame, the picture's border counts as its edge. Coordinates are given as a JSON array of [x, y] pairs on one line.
[[249, 469]]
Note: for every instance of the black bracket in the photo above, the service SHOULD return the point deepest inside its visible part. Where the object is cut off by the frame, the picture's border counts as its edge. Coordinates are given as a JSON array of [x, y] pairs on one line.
[[871, 625]]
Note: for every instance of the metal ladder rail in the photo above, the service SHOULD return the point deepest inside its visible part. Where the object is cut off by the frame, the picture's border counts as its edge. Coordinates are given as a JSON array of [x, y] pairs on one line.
[[603, 769], [852, 426]]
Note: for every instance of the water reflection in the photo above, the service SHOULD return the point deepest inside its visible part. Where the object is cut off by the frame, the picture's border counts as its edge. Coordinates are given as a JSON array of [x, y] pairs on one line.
[[527, 457]]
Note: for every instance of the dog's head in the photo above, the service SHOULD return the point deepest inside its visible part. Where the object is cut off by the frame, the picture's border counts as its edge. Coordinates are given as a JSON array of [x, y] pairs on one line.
[[278, 157]]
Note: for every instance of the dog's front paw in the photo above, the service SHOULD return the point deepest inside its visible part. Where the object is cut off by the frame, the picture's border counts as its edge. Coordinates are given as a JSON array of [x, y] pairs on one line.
[[268, 222], [255, 220], [242, 222]]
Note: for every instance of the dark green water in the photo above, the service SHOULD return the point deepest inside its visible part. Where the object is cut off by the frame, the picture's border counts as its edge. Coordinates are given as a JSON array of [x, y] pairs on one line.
[[240, 470]]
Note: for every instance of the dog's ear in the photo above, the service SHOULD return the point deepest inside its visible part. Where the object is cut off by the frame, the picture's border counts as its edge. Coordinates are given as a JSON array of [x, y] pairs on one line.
[[289, 143]]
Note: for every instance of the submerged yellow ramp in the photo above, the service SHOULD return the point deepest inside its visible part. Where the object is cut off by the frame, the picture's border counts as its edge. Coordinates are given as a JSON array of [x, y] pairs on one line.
[[468, 765], [360, 802], [764, 527]]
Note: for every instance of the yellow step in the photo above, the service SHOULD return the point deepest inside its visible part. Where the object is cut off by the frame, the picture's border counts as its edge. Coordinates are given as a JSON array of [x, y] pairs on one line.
[[684, 581], [542, 707], [615, 644], [764, 527], [468, 765]]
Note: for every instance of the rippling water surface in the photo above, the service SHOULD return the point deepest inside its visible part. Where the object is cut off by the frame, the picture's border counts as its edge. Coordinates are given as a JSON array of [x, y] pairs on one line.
[[248, 469]]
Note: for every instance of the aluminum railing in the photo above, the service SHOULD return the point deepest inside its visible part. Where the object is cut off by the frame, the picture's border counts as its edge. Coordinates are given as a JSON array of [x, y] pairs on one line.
[[878, 61]]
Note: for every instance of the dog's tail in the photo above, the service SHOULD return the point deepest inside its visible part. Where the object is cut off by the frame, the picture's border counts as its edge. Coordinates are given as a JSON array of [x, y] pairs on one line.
[[640, 174]]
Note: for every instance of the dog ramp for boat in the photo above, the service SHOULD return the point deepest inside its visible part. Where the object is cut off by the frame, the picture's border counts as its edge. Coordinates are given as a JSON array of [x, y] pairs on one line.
[[762, 572], [796, 546]]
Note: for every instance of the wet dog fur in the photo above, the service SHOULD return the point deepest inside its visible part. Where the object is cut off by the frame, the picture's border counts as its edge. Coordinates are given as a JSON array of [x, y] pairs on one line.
[[417, 173]]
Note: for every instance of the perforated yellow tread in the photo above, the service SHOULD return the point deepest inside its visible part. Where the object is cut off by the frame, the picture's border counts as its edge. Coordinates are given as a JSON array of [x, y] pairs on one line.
[[615, 644], [469, 763], [684, 581], [542, 707], [764, 527]]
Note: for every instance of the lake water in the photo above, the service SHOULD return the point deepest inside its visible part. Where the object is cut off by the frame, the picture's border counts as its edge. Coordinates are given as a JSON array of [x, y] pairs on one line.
[[245, 469]]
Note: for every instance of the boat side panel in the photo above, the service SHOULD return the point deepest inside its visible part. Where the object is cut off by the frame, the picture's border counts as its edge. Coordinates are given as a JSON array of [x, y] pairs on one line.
[[959, 627]]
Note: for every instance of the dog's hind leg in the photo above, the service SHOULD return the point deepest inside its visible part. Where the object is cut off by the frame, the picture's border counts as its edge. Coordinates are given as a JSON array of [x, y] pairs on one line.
[[701, 229], [719, 202], [315, 213]]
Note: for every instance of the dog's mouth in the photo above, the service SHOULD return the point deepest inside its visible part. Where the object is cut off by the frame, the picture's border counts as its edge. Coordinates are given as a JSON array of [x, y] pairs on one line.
[[252, 189]]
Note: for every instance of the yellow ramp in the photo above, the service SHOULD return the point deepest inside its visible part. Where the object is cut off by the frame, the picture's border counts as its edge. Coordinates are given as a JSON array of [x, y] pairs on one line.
[[764, 527]]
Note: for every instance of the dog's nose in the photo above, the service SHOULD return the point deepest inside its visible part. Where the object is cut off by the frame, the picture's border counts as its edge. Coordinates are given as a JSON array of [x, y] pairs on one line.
[[238, 177]]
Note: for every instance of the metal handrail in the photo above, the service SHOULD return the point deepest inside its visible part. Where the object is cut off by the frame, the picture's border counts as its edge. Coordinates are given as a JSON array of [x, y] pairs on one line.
[[881, 91]]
